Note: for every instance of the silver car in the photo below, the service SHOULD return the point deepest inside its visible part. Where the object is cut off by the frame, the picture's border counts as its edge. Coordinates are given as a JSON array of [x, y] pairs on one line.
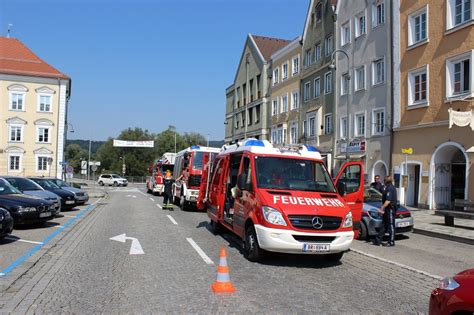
[[29, 187], [81, 196]]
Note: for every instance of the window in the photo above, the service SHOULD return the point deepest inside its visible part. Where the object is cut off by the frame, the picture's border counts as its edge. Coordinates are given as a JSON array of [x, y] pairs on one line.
[[275, 107], [343, 131], [319, 12], [279, 135], [328, 124], [45, 103], [250, 112], [43, 135], [17, 101], [236, 121], [307, 58], [14, 162], [360, 78], [294, 100], [459, 75], [418, 26], [378, 13], [317, 87], [312, 126], [305, 132], [328, 45], [284, 103], [328, 83], [42, 163], [378, 71], [345, 84], [360, 25], [16, 133], [294, 133], [306, 91], [243, 118], [378, 119], [296, 65], [417, 86], [317, 52], [257, 113], [274, 136], [275, 76], [459, 12], [284, 71], [360, 125], [345, 34]]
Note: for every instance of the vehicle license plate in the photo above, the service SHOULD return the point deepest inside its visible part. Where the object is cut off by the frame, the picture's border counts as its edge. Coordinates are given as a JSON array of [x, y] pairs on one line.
[[316, 247], [68, 202], [45, 214], [403, 224]]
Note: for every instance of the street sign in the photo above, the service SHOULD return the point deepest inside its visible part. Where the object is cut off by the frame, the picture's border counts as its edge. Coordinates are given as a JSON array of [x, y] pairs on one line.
[[94, 168], [50, 160], [69, 175], [69, 169], [91, 163], [407, 150], [83, 165], [63, 163], [83, 172]]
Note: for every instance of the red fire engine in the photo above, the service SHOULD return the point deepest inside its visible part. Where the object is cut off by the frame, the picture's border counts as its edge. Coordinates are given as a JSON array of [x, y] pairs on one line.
[[154, 182]]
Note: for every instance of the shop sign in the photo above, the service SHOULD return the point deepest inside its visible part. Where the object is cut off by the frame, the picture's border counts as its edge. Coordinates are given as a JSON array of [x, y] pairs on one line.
[[354, 146]]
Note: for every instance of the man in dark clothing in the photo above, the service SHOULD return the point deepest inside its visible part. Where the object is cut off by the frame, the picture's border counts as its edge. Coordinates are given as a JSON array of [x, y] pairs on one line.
[[388, 209], [377, 184], [168, 197]]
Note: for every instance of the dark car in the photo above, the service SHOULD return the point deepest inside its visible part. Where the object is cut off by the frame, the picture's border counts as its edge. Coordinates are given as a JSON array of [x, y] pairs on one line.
[[24, 209], [68, 200], [6, 223], [454, 295], [371, 220], [81, 196]]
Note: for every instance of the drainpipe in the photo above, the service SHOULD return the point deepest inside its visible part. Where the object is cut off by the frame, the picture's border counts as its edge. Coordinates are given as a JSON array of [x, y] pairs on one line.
[[392, 97]]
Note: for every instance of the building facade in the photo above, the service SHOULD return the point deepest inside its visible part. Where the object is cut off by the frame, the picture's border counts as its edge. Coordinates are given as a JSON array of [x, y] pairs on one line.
[[33, 106], [285, 94], [247, 98], [434, 114], [363, 84], [317, 82]]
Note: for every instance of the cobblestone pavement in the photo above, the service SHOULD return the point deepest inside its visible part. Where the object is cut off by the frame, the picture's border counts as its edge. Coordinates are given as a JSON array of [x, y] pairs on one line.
[[86, 272]]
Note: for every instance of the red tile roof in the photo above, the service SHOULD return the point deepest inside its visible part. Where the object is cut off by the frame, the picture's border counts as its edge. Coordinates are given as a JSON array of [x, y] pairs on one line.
[[16, 58], [268, 45]]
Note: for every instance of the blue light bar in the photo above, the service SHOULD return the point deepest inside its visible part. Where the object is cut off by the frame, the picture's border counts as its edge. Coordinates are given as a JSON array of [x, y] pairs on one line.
[[195, 147], [310, 148], [254, 143]]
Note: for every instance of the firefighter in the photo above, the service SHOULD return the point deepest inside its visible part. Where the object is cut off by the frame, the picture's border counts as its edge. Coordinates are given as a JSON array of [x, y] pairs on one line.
[[168, 197], [388, 209]]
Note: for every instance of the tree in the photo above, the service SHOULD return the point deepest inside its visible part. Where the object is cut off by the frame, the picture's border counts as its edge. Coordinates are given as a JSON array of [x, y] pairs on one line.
[[74, 155], [193, 138], [165, 141]]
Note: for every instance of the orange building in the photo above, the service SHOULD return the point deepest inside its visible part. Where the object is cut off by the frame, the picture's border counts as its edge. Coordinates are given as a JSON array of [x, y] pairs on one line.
[[434, 111]]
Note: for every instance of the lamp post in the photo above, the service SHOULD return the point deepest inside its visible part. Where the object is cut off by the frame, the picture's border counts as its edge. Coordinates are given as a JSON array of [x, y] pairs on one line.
[[123, 165], [333, 67], [69, 128]]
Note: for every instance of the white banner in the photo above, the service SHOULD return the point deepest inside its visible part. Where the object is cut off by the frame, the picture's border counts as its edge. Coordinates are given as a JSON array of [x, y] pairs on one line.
[[134, 144]]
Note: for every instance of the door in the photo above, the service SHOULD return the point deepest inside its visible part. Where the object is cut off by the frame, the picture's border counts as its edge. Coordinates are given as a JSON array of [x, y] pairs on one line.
[[411, 185], [350, 185], [245, 197], [442, 189]]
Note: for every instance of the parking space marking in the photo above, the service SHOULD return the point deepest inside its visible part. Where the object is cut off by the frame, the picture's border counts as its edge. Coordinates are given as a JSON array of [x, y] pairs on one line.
[[158, 205], [152, 199], [68, 216], [172, 219], [201, 253], [59, 226], [22, 240]]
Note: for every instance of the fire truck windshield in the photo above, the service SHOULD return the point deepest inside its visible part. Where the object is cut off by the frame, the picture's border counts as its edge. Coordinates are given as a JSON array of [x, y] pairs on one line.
[[198, 157], [292, 174]]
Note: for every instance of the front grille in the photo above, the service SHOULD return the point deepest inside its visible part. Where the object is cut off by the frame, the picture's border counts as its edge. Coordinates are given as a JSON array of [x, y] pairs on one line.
[[305, 222], [42, 208], [80, 194], [194, 180], [404, 229], [314, 239], [403, 215]]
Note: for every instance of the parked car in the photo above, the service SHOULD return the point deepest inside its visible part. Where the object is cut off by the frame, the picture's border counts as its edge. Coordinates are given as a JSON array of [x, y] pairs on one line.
[[81, 196], [454, 295], [68, 200], [372, 220], [23, 208], [112, 180], [6, 223], [29, 187]]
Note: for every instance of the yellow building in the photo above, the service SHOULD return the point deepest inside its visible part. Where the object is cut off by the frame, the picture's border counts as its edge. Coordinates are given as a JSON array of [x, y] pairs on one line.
[[436, 54], [33, 107]]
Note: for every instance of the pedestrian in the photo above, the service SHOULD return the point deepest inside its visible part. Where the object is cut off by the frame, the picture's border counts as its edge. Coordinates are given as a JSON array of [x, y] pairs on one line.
[[388, 209], [168, 198], [377, 184]]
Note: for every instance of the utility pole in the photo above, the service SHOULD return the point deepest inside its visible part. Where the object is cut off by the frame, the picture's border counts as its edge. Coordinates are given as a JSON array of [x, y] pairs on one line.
[[89, 161]]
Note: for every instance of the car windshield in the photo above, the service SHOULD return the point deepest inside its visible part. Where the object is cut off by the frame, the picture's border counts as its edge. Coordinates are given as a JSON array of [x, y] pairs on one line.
[[23, 184], [292, 174], [372, 195], [46, 183], [198, 157], [60, 183], [7, 189], [116, 176]]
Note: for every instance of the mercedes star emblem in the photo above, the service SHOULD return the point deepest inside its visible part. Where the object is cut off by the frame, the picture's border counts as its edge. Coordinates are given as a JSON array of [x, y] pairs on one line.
[[317, 223]]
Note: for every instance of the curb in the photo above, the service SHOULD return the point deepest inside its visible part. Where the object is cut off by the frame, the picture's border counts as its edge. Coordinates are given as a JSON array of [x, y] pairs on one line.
[[448, 237]]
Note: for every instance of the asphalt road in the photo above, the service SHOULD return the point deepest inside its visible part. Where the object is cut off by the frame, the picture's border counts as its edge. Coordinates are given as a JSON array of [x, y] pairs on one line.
[[86, 272]]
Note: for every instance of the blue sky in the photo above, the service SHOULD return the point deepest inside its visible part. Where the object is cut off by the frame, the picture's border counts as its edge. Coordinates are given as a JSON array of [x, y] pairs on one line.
[[147, 64]]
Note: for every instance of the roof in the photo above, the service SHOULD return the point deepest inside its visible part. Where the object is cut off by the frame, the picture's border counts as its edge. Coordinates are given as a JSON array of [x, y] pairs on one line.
[[16, 58], [269, 45]]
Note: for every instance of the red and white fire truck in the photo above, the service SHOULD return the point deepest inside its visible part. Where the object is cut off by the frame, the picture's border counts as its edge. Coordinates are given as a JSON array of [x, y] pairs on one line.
[[282, 199], [154, 182], [189, 163]]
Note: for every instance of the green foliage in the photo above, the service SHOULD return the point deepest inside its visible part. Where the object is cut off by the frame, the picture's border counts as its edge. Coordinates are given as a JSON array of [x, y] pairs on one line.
[[74, 155], [95, 145]]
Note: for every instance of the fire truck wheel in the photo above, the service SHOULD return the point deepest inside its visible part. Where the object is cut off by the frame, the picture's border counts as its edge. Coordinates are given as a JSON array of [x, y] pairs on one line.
[[148, 190], [216, 227], [333, 258], [362, 232], [253, 252]]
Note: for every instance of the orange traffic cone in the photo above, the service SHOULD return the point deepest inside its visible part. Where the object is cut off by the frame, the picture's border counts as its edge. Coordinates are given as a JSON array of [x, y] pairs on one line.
[[223, 284]]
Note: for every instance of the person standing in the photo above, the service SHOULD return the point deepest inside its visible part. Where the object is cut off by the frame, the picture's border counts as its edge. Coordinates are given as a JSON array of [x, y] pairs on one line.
[[388, 209], [168, 197], [377, 184]]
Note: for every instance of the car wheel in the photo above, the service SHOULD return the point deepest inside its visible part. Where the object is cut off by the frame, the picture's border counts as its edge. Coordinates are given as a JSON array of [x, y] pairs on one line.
[[101, 183], [148, 191], [333, 258], [253, 252], [216, 227], [115, 184], [363, 234]]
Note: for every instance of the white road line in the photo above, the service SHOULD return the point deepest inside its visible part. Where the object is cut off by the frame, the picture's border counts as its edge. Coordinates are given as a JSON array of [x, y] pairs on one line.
[[134, 196], [22, 240], [152, 199], [171, 219], [159, 206], [59, 226], [201, 253], [141, 192], [398, 264]]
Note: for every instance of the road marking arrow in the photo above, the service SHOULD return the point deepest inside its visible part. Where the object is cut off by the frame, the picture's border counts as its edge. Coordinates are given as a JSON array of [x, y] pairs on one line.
[[135, 249]]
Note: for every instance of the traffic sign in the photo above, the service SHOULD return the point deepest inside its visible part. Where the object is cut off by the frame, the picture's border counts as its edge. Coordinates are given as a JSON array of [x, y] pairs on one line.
[[69, 169], [50, 160], [91, 163], [94, 168], [63, 163], [83, 165], [407, 150]]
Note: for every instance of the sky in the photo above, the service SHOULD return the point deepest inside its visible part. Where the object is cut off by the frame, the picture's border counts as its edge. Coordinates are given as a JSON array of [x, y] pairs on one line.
[[144, 63]]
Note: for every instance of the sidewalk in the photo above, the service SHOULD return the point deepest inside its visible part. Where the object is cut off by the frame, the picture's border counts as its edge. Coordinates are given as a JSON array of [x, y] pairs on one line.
[[433, 225]]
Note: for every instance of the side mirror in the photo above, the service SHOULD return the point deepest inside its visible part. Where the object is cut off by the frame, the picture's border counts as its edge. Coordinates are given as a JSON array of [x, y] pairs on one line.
[[341, 188], [241, 182]]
